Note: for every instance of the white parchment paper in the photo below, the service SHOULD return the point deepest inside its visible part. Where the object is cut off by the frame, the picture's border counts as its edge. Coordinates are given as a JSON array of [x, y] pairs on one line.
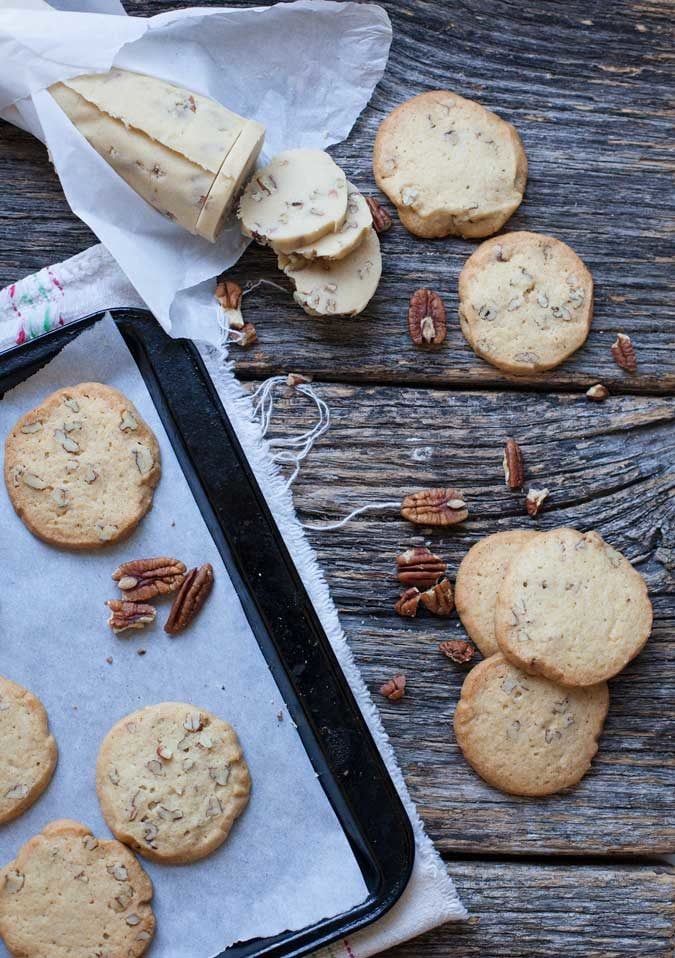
[[305, 69], [272, 872]]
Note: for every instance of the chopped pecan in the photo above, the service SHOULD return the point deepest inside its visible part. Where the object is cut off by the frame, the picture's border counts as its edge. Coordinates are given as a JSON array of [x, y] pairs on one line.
[[143, 579], [514, 467], [426, 318], [297, 379], [394, 689], [418, 566], [191, 597], [407, 604], [435, 507], [457, 650], [535, 500], [381, 219], [623, 352], [228, 295], [597, 392], [247, 335], [439, 598], [129, 615]]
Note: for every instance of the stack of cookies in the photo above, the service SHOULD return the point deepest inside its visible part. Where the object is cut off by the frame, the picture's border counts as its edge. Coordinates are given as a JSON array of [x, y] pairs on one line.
[[320, 227], [556, 614]]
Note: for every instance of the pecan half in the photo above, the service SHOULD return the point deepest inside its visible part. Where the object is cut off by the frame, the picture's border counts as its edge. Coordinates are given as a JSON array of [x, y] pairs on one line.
[[598, 392], [191, 597], [143, 579], [457, 650], [426, 318], [439, 598], [418, 566], [228, 295], [535, 500], [407, 604], [129, 615], [381, 219], [394, 689], [623, 352], [435, 507], [514, 467]]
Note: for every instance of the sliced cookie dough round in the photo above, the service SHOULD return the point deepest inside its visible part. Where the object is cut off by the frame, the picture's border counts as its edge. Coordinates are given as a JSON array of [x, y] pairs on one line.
[[525, 302], [449, 165], [479, 577], [343, 241], [572, 608], [81, 468], [172, 780], [342, 287], [523, 734], [28, 754], [296, 199], [68, 894]]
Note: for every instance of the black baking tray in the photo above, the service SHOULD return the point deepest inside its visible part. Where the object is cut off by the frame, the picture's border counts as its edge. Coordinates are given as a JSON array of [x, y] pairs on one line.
[[279, 612]]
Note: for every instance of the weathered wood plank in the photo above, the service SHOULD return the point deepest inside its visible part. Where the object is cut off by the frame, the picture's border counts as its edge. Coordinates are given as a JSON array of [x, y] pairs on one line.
[[585, 83], [528, 911], [610, 467]]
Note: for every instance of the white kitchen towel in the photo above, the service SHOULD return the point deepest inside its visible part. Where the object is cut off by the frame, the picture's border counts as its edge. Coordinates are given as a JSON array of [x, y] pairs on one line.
[[91, 282]]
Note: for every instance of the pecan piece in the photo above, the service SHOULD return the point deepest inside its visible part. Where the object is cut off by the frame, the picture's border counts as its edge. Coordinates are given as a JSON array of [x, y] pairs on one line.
[[514, 467], [381, 219], [598, 392], [457, 650], [439, 598], [623, 352], [435, 507], [426, 318], [191, 597], [129, 615], [143, 579], [394, 689], [534, 501], [228, 294], [418, 566], [407, 604], [247, 337]]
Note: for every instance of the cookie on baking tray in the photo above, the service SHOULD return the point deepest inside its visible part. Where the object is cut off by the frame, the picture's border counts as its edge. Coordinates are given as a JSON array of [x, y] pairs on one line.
[[172, 780], [68, 894], [522, 733], [449, 165], [28, 752], [525, 302], [81, 467], [572, 608], [479, 577]]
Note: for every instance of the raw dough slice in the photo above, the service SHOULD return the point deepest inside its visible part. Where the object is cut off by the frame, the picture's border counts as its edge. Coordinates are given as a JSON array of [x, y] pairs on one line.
[[525, 302], [343, 241], [172, 780], [449, 165], [523, 734], [572, 608], [81, 468], [294, 200], [479, 577], [68, 894], [28, 754], [341, 287]]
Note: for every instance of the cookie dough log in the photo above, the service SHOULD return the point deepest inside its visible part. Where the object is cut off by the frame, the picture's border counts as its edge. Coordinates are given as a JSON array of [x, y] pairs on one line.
[[183, 153], [450, 166]]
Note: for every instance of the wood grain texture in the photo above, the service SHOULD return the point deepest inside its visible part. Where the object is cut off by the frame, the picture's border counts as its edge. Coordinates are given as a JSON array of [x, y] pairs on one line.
[[609, 467]]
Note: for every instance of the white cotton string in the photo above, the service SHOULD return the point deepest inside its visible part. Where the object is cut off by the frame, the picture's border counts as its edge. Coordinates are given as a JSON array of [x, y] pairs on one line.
[[327, 527], [260, 282]]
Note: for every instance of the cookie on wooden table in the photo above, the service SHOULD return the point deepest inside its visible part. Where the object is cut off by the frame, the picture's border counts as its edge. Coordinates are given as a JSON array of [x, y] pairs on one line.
[[172, 780], [449, 165], [479, 577], [342, 242], [81, 468], [524, 734], [28, 752], [525, 302], [68, 894], [572, 608]]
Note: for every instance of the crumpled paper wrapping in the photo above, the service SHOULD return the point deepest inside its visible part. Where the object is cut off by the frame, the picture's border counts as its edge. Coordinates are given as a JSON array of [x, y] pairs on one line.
[[305, 70]]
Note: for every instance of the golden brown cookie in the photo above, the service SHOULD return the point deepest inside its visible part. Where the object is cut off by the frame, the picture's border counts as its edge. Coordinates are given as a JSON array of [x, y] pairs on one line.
[[28, 752]]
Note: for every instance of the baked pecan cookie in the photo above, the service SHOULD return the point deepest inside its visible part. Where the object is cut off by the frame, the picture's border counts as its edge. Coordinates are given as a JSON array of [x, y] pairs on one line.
[[172, 780], [68, 894], [81, 467], [28, 752]]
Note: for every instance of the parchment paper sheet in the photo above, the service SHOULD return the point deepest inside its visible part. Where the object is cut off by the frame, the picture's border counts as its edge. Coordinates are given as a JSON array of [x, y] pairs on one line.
[[286, 863]]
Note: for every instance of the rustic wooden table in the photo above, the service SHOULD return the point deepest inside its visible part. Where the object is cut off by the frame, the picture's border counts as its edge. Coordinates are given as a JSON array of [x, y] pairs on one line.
[[587, 85]]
